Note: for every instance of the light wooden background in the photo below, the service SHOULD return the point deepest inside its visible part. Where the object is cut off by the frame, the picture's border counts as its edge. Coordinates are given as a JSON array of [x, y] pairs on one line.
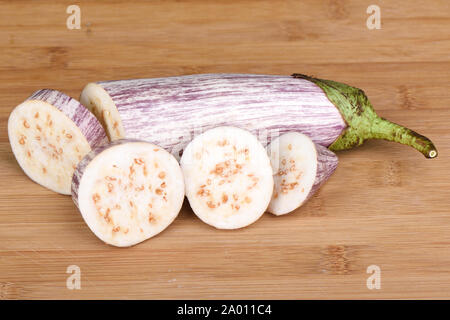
[[386, 204]]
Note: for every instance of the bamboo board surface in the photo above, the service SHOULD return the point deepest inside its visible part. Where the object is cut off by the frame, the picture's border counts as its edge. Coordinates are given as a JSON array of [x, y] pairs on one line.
[[386, 205]]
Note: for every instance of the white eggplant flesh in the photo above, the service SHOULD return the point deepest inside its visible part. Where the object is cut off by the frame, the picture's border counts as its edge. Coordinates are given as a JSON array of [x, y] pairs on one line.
[[128, 191], [49, 134], [228, 177], [300, 167]]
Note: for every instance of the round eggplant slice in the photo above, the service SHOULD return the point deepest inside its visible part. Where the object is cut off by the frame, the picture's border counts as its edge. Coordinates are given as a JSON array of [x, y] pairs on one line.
[[228, 177], [49, 134], [128, 191], [300, 167]]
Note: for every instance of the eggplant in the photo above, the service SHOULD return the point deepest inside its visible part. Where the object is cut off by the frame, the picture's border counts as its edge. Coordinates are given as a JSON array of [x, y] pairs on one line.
[[128, 191], [49, 134], [228, 177], [171, 111], [300, 168]]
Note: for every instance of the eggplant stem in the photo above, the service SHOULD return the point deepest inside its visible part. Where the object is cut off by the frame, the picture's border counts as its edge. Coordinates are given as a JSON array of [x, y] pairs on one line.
[[386, 130], [363, 122]]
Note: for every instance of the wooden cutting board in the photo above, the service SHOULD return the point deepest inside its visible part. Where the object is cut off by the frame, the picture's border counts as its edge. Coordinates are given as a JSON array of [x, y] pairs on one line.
[[386, 205]]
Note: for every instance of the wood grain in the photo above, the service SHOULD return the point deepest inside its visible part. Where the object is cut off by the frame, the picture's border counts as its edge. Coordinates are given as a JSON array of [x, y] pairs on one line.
[[386, 205]]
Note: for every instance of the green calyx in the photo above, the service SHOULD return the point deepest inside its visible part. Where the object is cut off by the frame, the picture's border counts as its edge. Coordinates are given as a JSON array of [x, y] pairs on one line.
[[363, 123]]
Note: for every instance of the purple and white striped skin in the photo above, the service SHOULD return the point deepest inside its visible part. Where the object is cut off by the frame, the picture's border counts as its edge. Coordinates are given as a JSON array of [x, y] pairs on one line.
[[300, 167], [128, 191], [49, 134], [171, 111], [327, 162]]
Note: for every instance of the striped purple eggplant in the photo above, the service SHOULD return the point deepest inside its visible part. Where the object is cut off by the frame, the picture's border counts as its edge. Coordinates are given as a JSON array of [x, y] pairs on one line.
[[49, 134], [170, 111], [300, 168]]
